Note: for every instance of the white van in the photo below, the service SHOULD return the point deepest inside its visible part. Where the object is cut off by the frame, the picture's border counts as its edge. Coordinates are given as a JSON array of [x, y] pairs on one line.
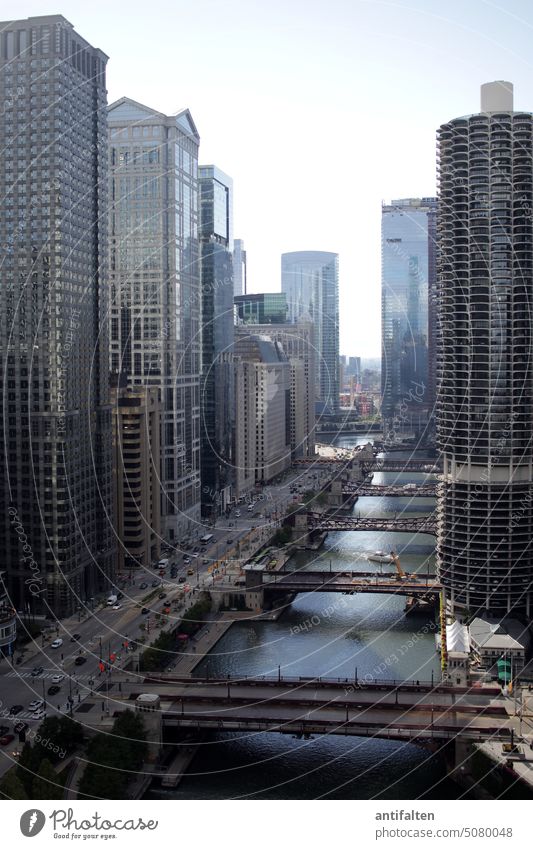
[[250, 507], [112, 600]]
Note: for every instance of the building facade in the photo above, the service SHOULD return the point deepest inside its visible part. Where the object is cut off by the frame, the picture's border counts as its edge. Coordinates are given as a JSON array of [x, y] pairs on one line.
[[310, 281], [407, 272], [56, 527], [485, 362], [217, 390], [155, 287], [262, 308], [296, 340], [272, 403], [240, 282], [137, 469]]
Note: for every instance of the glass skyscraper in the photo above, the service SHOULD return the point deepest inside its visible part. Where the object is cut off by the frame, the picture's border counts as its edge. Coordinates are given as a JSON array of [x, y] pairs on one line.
[[217, 396], [408, 269], [56, 528], [262, 308], [155, 286], [310, 281]]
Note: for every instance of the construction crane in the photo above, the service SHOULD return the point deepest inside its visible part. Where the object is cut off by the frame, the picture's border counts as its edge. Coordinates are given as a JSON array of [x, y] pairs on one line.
[[396, 560]]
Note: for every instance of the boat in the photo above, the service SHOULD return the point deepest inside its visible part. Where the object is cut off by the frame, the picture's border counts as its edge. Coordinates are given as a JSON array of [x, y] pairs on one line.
[[380, 557]]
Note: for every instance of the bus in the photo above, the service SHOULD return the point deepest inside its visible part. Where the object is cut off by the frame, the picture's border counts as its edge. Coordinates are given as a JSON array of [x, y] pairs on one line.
[[206, 538]]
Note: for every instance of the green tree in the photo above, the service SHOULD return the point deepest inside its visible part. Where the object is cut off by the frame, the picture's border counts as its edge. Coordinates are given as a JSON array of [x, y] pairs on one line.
[[11, 787], [114, 757], [47, 784]]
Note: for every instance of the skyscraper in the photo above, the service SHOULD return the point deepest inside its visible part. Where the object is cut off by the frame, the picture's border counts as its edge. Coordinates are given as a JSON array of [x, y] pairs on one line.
[[217, 387], [485, 364], [239, 268], [262, 308], [56, 529], [310, 280], [155, 286], [407, 272]]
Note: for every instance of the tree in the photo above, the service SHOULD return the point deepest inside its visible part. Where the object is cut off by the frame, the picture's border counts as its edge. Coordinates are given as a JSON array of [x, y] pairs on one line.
[[28, 766], [112, 762], [47, 784], [59, 733], [12, 787]]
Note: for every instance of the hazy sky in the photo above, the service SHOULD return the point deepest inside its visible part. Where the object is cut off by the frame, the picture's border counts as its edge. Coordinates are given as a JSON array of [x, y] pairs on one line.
[[318, 109]]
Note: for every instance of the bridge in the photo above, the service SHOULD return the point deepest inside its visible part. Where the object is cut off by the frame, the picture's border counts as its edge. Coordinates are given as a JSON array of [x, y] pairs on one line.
[[419, 464], [415, 585], [424, 490], [416, 524], [394, 710]]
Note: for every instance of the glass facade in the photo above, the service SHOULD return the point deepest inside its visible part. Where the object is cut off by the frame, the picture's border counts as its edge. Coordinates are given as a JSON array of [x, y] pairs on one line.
[[310, 281], [407, 253], [265, 308], [217, 396], [155, 286]]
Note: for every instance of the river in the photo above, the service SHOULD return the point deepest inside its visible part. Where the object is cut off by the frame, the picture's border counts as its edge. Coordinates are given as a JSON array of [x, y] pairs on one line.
[[330, 635]]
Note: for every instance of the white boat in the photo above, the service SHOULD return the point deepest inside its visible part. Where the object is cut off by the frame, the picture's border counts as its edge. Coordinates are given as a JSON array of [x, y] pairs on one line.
[[380, 557]]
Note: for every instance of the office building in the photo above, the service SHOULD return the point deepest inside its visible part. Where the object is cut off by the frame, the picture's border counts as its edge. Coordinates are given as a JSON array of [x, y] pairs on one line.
[[8, 620], [137, 459], [155, 287], [407, 271], [56, 529], [296, 341], [240, 282], [217, 388], [484, 362], [272, 403], [262, 308], [310, 281], [245, 433]]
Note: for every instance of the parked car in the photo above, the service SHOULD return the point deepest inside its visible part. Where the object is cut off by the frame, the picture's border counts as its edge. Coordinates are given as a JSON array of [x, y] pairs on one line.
[[75, 637], [143, 586], [57, 643], [38, 714], [6, 739], [53, 690], [37, 670], [80, 660]]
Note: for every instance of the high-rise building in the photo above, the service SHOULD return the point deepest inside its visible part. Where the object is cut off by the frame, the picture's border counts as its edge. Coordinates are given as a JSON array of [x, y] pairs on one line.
[[310, 280], [271, 381], [262, 308], [136, 435], [239, 268], [155, 286], [217, 388], [296, 340], [407, 272], [485, 362], [56, 528]]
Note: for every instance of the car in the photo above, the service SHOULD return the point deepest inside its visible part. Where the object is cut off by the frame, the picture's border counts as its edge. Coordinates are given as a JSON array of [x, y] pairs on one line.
[[37, 670], [53, 690], [205, 561], [195, 555], [38, 714], [162, 595], [143, 586], [56, 679], [6, 739], [37, 704], [57, 643], [19, 727], [174, 573], [80, 661], [15, 709], [190, 571], [181, 579], [145, 610], [237, 513], [186, 558], [203, 549], [155, 583], [196, 548], [117, 607], [229, 540], [75, 637]]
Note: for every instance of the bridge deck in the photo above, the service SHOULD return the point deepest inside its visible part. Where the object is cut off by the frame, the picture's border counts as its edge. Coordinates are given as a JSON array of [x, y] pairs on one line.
[[418, 524], [369, 582]]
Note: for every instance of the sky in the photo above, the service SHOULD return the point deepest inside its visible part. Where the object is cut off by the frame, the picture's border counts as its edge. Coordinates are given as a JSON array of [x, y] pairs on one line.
[[318, 109]]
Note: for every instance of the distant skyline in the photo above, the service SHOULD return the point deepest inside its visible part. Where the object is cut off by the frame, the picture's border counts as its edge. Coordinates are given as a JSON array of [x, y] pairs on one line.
[[318, 111]]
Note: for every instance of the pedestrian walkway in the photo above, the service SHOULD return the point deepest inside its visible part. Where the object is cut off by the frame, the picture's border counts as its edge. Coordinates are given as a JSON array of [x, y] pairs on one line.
[[209, 636]]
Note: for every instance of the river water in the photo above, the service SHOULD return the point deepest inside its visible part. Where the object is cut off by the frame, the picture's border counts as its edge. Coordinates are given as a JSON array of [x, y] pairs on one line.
[[330, 635]]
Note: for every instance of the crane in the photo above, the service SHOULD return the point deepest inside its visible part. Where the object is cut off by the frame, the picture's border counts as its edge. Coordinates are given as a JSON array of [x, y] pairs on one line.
[[396, 560]]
